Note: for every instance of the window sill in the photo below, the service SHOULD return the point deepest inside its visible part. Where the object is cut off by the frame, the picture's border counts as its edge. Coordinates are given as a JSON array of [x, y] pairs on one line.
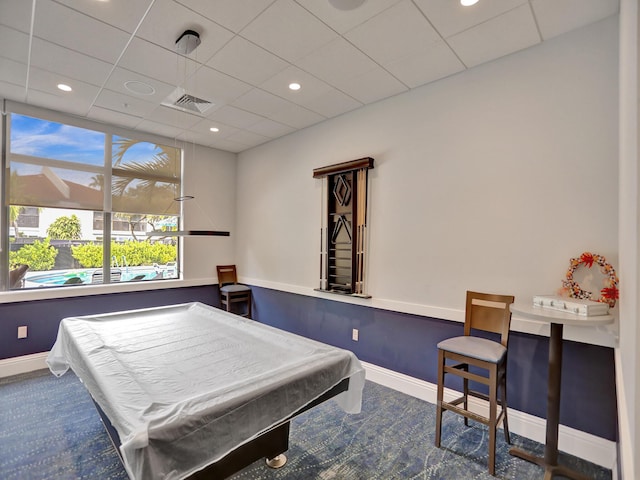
[[343, 294], [45, 293]]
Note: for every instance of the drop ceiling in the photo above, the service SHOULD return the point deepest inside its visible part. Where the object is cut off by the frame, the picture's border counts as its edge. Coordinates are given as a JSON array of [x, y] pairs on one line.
[[119, 56]]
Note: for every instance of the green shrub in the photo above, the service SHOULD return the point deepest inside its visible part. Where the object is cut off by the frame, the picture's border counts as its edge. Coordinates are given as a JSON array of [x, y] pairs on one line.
[[88, 255], [65, 228], [135, 253], [39, 256]]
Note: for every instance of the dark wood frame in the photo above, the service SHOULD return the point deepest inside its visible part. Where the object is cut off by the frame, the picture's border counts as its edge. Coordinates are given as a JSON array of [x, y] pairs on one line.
[[343, 235], [268, 445]]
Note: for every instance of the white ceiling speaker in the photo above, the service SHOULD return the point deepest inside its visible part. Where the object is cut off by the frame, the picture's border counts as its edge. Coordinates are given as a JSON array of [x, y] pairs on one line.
[[346, 4]]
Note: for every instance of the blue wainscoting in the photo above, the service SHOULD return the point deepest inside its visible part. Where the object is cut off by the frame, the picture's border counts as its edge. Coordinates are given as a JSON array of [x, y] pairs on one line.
[[397, 341], [407, 344], [42, 317]]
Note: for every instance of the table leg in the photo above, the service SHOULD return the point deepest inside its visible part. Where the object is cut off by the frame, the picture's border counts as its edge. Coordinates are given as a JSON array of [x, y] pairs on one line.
[[550, 459]]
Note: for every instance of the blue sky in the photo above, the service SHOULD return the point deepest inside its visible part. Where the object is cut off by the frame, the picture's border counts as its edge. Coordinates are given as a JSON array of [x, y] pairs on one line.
[[41, 138], [46, 139]]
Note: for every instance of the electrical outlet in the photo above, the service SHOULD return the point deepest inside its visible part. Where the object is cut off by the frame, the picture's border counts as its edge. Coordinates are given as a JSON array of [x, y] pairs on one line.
[[22, 331], [354, 335]]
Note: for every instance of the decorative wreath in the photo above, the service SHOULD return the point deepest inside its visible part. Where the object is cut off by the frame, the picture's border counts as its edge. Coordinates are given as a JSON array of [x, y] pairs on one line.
[[609, 294]]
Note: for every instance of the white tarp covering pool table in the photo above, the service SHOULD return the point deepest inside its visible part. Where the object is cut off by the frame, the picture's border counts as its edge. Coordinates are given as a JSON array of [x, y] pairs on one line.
[[186, 384]]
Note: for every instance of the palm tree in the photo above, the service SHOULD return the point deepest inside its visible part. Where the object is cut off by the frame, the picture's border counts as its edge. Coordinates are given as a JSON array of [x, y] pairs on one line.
[[155, 177], [14, 213], [97, 181], [161, 168]]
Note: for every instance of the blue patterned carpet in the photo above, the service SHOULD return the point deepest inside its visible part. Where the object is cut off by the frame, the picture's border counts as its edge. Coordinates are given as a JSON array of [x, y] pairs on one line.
[[49, 429]]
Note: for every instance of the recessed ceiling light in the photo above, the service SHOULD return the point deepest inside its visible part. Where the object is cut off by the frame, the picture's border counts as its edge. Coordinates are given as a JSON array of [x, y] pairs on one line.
[[214, 129], [139, 88], [64, 88], [294, 86], [346, 4], [468, 3]]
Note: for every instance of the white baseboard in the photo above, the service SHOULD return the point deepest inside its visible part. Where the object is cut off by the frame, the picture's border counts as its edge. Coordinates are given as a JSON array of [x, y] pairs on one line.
[[24, 364], [584, 445], [574, 442]]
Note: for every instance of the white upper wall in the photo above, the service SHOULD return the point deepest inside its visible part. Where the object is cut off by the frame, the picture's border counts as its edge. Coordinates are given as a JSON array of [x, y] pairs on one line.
[[491, 179], [210, 176]]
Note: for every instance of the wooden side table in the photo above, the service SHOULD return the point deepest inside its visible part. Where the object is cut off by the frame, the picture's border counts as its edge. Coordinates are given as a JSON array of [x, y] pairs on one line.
[[557, 319]]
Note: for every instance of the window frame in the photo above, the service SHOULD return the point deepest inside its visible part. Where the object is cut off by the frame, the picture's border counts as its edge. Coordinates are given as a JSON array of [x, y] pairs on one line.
[[110, 132]]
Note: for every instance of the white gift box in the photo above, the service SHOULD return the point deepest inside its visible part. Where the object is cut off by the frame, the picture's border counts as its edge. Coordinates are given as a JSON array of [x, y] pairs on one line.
[[587, 308]]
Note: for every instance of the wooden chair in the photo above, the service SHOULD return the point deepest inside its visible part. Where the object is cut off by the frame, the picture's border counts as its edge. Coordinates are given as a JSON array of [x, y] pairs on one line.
[[231, 292], [16, 276], [489, 313]]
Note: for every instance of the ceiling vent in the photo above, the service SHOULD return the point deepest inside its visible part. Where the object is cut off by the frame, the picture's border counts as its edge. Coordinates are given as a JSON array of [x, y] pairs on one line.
[[181, 100]]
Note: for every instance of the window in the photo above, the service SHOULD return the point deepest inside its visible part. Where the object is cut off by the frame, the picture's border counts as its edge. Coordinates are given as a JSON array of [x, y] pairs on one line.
[[81, 202]]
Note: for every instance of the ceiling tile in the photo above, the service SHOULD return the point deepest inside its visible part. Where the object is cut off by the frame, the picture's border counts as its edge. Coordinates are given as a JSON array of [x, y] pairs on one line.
[[315, 94], [228, 146], [192, 137], [332, 103], [16, 14], [205, 124], [435, 63], [449, 17], [246, 61], [337, 63], [555, 18], [278, 109], [288, 31], [343, 20], [76, 102], [88, 36], [215, 87], [123, 14], [502, 35], [157, 30], [271, 129], [279, 85], [125, 103], [296, 116], [11, 91], [19, 42], [372, 86], [56, 59], [174, 117], [259, 102], [251, 50], [156, 62], [13, 72], [247, 138], [231, 14], [399, 32], [169, 131], [235, 117], [113, 117], [120, 76], [47, 82]]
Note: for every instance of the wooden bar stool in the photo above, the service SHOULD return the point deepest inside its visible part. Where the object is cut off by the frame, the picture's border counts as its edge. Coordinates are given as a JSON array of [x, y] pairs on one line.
[[489, 313], [231, 291]]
